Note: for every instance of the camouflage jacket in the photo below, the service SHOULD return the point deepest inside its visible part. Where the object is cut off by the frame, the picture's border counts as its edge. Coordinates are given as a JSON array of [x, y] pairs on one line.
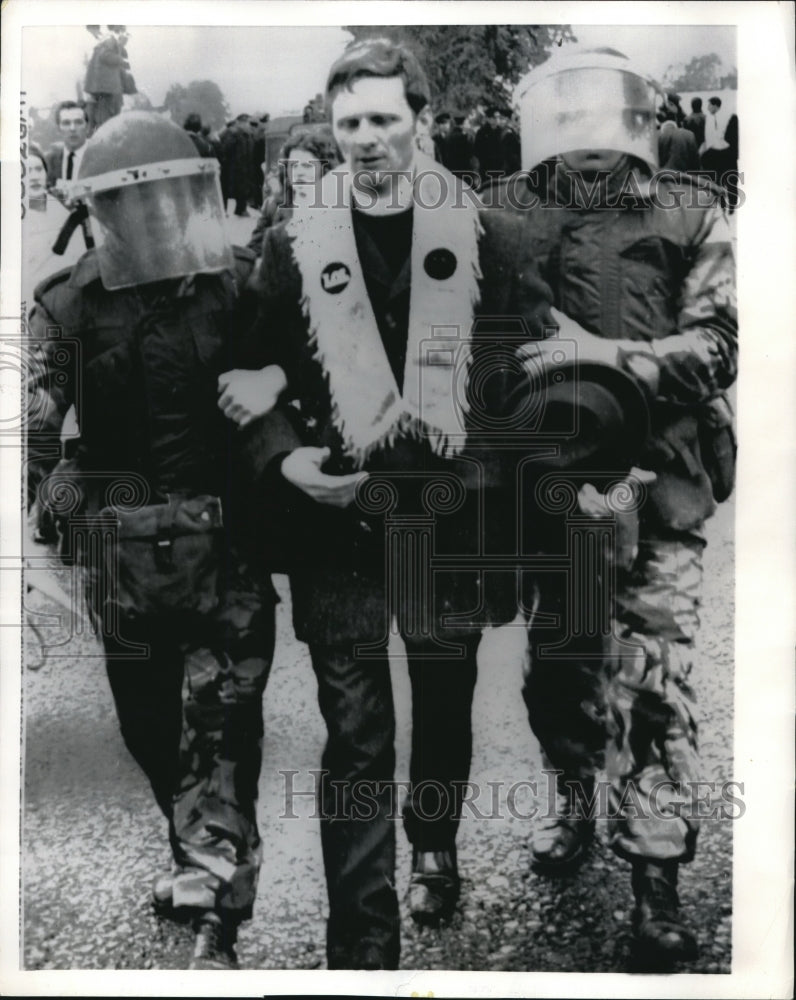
[[649, 261]]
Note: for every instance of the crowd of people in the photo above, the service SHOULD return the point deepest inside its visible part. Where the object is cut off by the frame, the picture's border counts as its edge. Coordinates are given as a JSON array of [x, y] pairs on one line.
[[412, 446], [699, 142]]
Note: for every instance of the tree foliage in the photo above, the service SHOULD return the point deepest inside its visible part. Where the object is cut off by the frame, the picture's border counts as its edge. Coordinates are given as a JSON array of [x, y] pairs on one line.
[[204, 97], [471, 65], [701, 73]]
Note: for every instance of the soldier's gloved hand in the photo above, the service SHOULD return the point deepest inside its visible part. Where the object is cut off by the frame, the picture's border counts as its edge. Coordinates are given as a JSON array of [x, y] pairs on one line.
[[246, 395], [302, 468]]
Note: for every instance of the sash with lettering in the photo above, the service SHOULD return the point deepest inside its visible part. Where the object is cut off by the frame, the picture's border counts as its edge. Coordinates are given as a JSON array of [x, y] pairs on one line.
[[367, 407]]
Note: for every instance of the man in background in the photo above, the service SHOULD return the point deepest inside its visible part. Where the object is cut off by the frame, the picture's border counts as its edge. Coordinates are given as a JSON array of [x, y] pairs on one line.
[[237, 142], [63, 160], [695, 122], [103, 81]]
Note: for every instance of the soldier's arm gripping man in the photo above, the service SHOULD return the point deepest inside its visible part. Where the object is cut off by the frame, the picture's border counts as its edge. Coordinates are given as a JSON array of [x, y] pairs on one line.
[[156, 515]]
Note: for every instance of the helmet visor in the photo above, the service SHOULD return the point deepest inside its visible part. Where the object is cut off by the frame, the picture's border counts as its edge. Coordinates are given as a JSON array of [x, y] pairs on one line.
[[162, 221], [589, 108]]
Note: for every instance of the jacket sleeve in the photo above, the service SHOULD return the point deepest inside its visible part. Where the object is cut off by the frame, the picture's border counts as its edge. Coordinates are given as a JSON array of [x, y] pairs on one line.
[[280, 327], [701, 359], [50, 393]]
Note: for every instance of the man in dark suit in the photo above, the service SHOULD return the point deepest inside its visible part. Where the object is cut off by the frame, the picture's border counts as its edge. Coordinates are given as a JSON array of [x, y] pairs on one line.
[[695, 122], [677, 148], [369, 324], [63, 160]]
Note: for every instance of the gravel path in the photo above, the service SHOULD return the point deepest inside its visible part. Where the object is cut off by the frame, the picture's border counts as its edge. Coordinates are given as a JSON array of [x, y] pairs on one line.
[[92, 836]]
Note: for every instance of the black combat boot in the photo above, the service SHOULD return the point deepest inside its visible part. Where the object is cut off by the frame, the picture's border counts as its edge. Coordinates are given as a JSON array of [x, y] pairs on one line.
[[662, 939], [565, 832], [433, 886]]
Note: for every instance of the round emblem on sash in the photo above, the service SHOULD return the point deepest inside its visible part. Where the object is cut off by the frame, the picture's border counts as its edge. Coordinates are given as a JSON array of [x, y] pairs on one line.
[[335, 277], [439, 264]]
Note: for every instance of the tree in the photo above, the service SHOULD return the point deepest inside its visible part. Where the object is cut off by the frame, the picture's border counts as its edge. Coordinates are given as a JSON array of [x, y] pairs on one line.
[[471, 65], [701, 73], [204, 97]]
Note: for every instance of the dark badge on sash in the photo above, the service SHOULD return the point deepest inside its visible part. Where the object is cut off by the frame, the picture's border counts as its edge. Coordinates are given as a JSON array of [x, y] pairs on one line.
[[335, 277], [439, 264]]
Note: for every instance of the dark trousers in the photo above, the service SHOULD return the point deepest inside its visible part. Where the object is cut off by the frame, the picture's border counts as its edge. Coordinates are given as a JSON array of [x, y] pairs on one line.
[[358, 799], [564, 684]]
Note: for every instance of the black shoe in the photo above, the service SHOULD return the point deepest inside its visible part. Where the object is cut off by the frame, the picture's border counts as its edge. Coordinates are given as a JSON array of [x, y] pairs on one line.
[[433, 886], [215, 943], [562, 840], [369, 955], [661, 938], [365, 954]]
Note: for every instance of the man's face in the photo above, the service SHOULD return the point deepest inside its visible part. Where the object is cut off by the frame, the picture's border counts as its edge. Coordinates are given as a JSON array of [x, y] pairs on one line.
[[712, 108], [72, 126], [590, 161], [375, 128]]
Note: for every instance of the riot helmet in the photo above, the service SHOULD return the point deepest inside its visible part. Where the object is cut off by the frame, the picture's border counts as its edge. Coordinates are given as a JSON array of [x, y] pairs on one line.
[[585, 99], [155, 204]]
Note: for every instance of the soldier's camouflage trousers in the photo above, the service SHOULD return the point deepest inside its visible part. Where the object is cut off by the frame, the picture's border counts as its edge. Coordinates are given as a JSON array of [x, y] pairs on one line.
[[626, 702], [191, 715]]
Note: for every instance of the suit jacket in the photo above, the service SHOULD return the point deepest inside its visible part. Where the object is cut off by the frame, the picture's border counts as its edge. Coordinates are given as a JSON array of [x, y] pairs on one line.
[[104, 72], [54, 159], [677, 150], [337, 557]]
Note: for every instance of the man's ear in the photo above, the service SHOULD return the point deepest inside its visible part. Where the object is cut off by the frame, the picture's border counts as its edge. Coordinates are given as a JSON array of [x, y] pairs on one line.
[[424, 119]]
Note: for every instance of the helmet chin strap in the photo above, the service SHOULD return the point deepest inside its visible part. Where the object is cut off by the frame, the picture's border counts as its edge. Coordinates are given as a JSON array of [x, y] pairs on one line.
[[77, 217]]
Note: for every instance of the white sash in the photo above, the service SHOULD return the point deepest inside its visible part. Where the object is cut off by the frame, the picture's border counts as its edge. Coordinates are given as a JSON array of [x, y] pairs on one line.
[[367, 407]]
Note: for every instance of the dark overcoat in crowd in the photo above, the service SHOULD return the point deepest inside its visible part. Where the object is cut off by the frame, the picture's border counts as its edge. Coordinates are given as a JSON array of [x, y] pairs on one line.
[[236, 161]]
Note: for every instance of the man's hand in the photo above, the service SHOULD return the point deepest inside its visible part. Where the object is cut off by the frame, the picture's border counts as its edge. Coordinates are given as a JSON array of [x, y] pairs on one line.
[[246, 395], [589, 347], [302, 468]]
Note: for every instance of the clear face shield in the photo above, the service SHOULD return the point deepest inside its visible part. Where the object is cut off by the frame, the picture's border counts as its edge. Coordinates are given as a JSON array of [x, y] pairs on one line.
[[158, 221], [588, 108]]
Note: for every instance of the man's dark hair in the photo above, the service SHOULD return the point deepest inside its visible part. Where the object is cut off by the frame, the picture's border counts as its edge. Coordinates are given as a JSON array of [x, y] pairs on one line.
[[442, 117], [242, 117], [67, 106], [696, 104], [716, 101], [492, 110], [380, 57], [193, 123]]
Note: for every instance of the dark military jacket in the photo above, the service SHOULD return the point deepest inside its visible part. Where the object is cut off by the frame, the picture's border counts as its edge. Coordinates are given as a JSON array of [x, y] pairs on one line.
[[141, 366]]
